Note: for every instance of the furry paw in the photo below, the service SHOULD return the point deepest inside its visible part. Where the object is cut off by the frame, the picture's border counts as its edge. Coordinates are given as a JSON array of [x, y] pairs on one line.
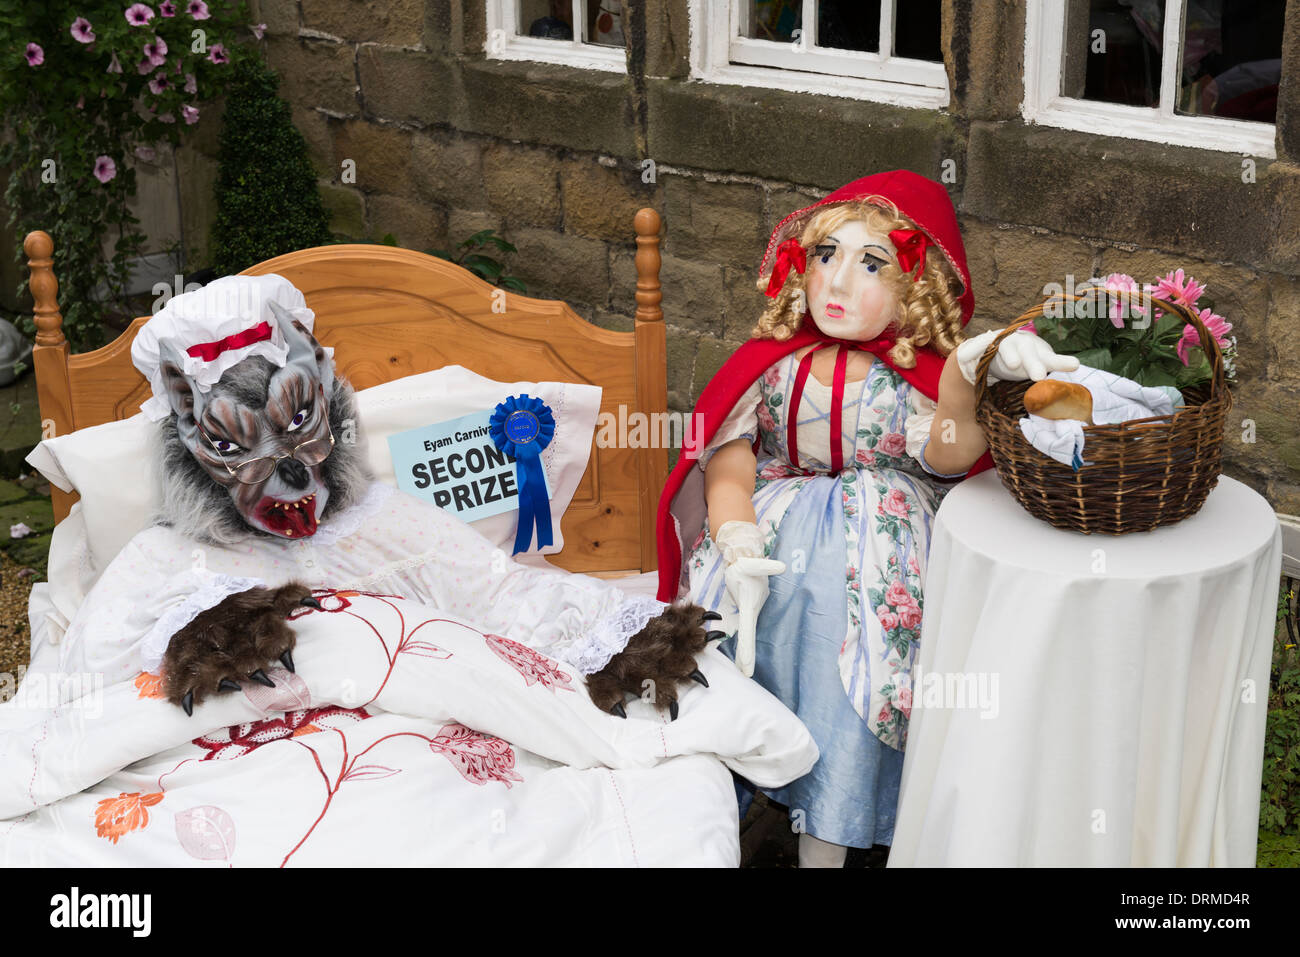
[[656, 660], [235, 639]]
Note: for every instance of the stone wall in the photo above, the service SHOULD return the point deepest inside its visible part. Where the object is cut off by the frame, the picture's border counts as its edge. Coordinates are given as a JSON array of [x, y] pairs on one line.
[[446, 142]]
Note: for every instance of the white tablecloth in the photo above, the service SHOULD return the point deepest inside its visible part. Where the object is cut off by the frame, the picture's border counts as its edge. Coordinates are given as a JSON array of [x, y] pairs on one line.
[[1124, 688]]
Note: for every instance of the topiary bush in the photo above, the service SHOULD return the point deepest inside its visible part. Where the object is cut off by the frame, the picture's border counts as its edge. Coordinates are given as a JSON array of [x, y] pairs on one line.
[[267, 201]]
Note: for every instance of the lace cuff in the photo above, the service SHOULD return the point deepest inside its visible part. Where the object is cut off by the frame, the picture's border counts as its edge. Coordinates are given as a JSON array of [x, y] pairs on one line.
[[610, 635], [211, 591]]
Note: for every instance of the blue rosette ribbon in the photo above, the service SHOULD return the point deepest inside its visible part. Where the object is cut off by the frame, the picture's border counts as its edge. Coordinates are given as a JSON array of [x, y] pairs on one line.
[[522, 426]]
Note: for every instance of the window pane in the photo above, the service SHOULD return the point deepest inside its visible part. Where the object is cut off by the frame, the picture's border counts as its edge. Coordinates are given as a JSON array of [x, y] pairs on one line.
[[1232, 58], [773, 20], [1111, 51], [552, 19], [849, 24], [605, 22], [916, 30]]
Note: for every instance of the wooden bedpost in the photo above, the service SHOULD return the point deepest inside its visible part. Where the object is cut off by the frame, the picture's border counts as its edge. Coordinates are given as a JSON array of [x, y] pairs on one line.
[[651, 383], [50, 354]]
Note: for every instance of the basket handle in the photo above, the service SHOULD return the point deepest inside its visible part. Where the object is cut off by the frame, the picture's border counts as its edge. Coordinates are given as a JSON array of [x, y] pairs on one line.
[[1209, 345]]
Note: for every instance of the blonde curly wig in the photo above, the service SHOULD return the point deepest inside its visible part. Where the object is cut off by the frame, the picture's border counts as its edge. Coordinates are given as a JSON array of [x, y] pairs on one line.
[[929, 310]]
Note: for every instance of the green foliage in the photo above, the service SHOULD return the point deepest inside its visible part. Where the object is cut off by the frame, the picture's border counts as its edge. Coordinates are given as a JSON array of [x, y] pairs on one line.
[[467, 254], [267, 201], [86, 106], [1279, 808]]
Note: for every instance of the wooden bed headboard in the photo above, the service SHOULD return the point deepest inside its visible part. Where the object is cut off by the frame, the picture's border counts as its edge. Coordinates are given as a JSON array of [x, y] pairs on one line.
[[391, 312]]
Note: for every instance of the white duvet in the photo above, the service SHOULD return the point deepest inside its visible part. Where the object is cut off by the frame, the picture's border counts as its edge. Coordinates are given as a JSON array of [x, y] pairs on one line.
[[413, 733]]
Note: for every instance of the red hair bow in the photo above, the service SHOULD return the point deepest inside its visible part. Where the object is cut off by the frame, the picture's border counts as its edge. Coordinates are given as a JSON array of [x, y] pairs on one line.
[[911, 245], [789, 254]]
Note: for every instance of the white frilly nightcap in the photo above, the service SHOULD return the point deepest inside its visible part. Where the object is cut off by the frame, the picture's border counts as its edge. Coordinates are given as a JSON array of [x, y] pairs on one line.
[[215, 327]]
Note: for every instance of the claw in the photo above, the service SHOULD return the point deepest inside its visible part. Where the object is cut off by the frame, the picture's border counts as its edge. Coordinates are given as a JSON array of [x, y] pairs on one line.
[[228, 684], [260, 677], [286, 659], [310, 602], [712, 616], [618, 709], [697, 675], [188, 702], [672, 709], [715, 636]]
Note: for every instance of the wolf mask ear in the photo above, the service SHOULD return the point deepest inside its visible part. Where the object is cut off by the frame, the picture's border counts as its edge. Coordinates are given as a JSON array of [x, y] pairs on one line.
[[304, 351], [183, 396]]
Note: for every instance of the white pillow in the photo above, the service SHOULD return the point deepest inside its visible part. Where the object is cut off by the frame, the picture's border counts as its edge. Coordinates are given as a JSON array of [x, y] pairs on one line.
[[110, 464]]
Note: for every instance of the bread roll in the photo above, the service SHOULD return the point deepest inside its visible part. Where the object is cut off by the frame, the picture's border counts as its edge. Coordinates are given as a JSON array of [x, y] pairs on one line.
[[1054, 399]]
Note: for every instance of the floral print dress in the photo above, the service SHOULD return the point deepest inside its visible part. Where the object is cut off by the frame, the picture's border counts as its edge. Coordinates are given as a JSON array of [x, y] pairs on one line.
[[839, 632]]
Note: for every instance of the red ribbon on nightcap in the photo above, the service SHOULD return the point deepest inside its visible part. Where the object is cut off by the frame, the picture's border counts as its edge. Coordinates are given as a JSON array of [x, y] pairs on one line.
[[207, 351], [789, 254], [911, 245]]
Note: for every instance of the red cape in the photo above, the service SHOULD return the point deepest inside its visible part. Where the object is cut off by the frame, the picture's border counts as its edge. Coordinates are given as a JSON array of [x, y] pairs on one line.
[[682, 520]]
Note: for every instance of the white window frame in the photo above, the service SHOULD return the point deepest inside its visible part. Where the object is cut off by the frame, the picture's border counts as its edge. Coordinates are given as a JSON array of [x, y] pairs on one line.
[[1044, 104], [720, 53], [505, 43]]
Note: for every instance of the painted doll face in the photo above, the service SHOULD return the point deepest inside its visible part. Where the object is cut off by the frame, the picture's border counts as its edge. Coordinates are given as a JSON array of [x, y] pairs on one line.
[[847, 297]]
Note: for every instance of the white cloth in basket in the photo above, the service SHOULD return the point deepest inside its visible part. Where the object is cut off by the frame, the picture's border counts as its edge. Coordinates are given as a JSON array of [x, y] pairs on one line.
[[1114, 399]]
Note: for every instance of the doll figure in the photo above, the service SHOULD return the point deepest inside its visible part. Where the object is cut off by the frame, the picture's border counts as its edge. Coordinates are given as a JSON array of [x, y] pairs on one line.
[[802, 514]]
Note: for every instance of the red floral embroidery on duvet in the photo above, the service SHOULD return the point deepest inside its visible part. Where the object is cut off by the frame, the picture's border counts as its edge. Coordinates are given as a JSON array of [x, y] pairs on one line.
[[536, 668], [479, 758], [240, 739]]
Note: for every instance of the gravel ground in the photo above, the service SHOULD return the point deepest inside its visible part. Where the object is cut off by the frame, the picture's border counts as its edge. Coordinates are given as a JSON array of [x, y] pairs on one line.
[[15, 637]]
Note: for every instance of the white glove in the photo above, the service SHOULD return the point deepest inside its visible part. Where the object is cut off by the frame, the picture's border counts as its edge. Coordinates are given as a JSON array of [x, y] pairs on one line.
[[746, 577], [1021, 355]]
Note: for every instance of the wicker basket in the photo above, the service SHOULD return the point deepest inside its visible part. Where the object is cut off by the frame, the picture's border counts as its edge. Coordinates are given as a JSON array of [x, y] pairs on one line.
[[1144, 472]]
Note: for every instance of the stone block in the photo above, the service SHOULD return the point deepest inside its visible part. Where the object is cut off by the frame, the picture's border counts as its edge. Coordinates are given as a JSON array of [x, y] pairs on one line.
[[448, 169], [557, 266], [415, 225], [381, 154], [347, 210], [522, 185], [693, 295], [317, 73], [406, 86], [394, 22], [681, 346], [744, 302], [601, 202], [713, 222]]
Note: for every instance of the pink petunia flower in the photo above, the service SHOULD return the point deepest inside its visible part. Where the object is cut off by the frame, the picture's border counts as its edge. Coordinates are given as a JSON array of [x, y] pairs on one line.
[[191, 86], [217, 54], [258, 29], [1124, 294], [114, 66], [156, 51], [138, 14], [158, 83], [190, 114], [167, 8], [35, 55], [197, 9], [105, 168], [81, 31], [1179, 288], [1217, 326]]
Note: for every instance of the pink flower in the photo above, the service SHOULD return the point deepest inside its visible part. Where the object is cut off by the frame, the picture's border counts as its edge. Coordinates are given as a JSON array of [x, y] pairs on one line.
[[217, 53], [258, 29], [884, 712], [479, 758], [765, 420], [81, 102], [114, 66], [138, 14], [190, 114], [1215, 324], [535, 668], [897, 594], [35, 55], [866, 456], [895, 503], [888, 620], [1124, 294], [105, 168], [773, 375], [167, 8], [912, 566], [81, 31], [892, 443], [197, 9], [909, 615], [1185, 291], [156, 52], [157, 84], [905, 701], [1030, 327], [190, 85]]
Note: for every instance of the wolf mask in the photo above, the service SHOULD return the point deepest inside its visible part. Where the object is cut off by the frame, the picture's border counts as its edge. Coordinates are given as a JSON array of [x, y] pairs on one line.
[[266, 450]]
